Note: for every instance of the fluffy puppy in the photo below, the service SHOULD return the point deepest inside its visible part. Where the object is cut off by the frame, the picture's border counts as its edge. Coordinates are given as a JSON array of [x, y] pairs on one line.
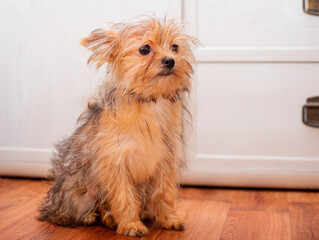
[[122, 162]]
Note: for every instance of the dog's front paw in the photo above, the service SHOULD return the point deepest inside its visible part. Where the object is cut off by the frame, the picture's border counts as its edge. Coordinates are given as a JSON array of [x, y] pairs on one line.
[[134, 229], [176, 225]]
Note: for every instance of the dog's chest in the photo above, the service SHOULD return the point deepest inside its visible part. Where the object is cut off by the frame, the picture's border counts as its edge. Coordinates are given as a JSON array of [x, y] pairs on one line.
[[151, 136]]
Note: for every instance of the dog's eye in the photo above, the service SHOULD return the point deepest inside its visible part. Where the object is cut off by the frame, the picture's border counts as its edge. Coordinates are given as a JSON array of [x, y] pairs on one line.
[[175, 48], [145, 50]]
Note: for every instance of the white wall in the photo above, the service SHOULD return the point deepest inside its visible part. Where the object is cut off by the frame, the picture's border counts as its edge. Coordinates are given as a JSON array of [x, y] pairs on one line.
[[44, 79], [258, 62]]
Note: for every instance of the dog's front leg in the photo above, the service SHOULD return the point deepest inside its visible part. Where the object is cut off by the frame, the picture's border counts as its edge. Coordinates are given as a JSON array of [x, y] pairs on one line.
[[125, 206], [162, 200]]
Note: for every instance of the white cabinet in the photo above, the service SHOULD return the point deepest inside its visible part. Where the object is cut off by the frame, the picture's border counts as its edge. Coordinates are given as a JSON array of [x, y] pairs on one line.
[[258, 63]]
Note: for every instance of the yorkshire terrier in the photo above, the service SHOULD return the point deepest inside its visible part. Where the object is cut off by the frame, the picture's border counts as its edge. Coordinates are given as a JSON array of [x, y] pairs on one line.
[[121, 165]]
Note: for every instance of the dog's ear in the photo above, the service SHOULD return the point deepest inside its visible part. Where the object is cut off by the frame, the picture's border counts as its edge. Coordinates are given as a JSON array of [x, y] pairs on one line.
[[103, 44]]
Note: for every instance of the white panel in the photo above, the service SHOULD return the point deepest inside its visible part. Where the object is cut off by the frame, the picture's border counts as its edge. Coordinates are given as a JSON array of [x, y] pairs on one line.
[[251, 23], [248, 130], [255, 109]]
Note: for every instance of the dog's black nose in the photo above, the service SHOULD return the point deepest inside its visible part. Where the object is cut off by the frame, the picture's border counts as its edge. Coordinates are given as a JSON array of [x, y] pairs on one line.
[[168, 62]]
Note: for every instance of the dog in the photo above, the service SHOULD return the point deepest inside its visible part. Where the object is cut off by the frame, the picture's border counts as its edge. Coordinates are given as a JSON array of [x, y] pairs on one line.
[[122, 163]]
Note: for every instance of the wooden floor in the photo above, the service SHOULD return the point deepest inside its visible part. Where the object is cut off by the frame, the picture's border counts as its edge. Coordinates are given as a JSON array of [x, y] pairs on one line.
[[210, 213]]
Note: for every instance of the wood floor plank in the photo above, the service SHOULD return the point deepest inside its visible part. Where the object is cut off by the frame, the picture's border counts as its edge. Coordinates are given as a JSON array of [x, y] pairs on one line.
[[303, 196], [260, 200], [253, 225], [203, 219], [304, 220], [21, 194], [212, 194]]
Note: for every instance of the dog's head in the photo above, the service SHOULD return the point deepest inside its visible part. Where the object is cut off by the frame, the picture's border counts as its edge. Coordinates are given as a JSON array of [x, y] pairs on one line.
[[147, 58]]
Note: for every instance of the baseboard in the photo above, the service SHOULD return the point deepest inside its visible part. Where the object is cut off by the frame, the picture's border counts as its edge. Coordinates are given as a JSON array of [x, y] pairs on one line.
[[204, 170], [25, 162], [253, 171]]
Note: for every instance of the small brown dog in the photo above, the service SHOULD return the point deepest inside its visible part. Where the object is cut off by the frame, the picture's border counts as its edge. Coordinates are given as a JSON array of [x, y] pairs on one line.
[[122, 163]]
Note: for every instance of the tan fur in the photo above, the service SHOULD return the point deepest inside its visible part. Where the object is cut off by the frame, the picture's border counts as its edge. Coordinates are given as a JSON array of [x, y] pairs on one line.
[[122, 162]]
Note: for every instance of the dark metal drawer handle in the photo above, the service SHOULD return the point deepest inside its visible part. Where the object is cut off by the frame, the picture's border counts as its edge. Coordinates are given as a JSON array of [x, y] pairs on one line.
[[310, 113], [311, 6]]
